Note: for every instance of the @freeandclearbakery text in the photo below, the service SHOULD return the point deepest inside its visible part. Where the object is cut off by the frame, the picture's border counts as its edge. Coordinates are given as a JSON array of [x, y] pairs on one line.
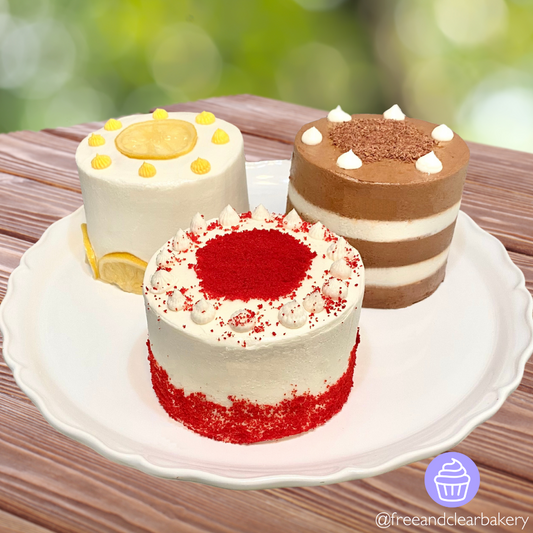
[[385, 520]]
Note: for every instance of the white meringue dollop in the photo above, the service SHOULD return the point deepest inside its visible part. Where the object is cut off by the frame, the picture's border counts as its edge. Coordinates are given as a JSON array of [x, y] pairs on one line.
[[261, 213], [339, 269], [292, 315], [311, 137], [242, 321], [338, 115], [176, 301], [181, 242], [429, 163], [162, 281], [394, 113], [229, 217], [442, 133], [337, 250], [335, 289], [349, 161], [165, 258], [317, 231], [198, 224], [314, 302], [202, 312], [292, 220]]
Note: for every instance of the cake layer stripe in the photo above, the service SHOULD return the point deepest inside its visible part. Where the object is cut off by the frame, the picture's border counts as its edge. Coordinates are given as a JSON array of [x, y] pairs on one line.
[[405, 275], [379, 231], [397, 297]]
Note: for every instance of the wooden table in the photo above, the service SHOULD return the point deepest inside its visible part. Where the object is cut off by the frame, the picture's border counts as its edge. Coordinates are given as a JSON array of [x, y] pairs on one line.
[[48, 482]]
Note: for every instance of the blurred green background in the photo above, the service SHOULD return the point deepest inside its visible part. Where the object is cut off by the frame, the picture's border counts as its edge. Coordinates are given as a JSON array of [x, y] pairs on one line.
[[466, 63]]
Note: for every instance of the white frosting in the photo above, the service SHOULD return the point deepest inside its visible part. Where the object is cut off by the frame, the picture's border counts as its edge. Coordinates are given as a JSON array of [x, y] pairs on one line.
[[442, 133], [203, 312], [292, 220], [268, 362], [338, 115], [337, 250], [429, 163], [311, 137], [349, 161], [176, 301], [374, 230], [292, 315], [117, 199], [242, 321], [229, 217], [394, 113], [335, 289], [314, 302], [181, 241], [261, 213], [198, 224], [340, 269], [162, 281], [317, 231], [165, 258], [405, 275]]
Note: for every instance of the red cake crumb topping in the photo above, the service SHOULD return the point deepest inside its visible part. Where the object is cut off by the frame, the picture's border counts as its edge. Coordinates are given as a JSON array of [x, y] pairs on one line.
[[262, 264], [246, 422]]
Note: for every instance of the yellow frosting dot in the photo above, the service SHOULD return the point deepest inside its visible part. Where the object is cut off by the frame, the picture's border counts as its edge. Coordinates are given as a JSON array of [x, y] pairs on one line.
[[200, 166], [220, 137], [160, 114], [100, 162], [112, 125], [96, 140], [147, 170], [205, 117]]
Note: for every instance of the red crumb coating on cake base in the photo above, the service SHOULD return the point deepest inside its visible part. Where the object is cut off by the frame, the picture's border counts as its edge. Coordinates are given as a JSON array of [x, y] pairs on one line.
[[246, 422]]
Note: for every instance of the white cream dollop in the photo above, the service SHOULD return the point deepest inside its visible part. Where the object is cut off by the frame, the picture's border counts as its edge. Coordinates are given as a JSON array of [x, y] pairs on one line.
[[242, 320], [349, 161], [176, 301], [317, 231], [311, 137], [429, 164], [229, 217], [394, 113], [442, 133], [292, 220], [338, 115], [202, 312], [314, 302], [198, 225], [335, 289], [165, 258], [292, 315], [339, 269], [261, 213], [162, 281], [181, 242], [337, 250]]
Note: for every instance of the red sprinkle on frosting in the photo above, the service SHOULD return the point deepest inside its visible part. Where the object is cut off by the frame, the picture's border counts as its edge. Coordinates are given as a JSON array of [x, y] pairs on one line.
[[262, 264], [246, 422]]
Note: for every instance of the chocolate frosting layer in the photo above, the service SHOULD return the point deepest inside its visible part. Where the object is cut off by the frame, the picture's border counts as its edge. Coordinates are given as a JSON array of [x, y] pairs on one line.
[[382, 190], [397, 297]]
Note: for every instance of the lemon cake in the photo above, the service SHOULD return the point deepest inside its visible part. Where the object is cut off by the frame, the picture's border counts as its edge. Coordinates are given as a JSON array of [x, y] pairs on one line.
[[144, 176], [391, 186], [253, 325]]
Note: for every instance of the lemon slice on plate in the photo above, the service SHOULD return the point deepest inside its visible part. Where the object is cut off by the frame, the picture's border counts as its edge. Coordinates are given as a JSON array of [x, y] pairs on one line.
[[157, 139], [123, 269], [90, 256]]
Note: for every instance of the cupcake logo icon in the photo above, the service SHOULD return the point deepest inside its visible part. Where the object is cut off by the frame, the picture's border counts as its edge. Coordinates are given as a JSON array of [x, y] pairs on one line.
[[452, 479]]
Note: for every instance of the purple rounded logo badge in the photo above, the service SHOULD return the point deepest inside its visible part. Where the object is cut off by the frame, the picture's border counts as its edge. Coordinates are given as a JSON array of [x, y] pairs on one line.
[[452, 479]]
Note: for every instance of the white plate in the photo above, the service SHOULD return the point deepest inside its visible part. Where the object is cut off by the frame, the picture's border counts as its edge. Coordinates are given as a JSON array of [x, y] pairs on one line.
[[426, 376]]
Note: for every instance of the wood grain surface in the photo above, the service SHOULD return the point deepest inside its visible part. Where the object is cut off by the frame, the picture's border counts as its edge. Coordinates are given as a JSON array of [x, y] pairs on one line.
[[49, 483]]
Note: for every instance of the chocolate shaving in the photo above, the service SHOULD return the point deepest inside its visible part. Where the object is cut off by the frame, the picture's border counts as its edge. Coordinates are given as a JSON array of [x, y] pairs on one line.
[[375, 139]]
